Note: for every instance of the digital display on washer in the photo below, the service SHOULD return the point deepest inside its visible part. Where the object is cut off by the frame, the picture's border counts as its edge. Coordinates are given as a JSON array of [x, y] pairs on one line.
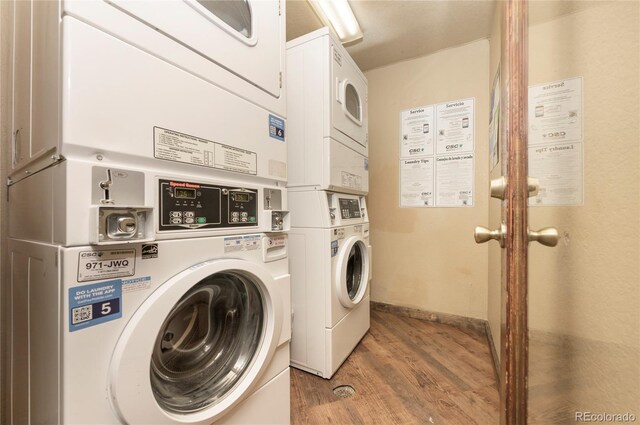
[[349, 208], [182, 193], [241, 197]]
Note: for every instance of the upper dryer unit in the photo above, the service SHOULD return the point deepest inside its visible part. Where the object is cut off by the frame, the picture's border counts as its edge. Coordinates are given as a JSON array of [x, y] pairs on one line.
[[327, 116], [186, 82]]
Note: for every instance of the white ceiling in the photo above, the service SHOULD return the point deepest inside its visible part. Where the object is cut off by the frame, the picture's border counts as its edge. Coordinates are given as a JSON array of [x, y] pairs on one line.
[[397, 30]]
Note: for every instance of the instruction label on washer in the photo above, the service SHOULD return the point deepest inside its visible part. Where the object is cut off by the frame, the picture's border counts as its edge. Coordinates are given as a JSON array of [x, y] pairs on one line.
[[90, 305], [106, 264], [276, 241], [180, 147], [350, 180], [241, 243]]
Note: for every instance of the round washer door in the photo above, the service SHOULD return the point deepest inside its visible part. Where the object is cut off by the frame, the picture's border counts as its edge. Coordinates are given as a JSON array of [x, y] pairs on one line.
[[197, 346], [352, 271]]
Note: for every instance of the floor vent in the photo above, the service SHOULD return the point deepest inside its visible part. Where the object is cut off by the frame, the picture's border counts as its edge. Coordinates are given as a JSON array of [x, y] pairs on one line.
[[344, 391]]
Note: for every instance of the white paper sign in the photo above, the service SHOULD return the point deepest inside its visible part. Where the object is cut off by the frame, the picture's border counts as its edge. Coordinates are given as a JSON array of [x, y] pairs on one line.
[[416, 182], [558, 167], [416, 132], [555, 111], [454, 180], [455, 127]]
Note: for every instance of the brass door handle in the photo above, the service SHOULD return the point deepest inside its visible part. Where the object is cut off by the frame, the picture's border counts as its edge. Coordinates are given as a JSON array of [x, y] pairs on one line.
[[482, 234], [547, 236]]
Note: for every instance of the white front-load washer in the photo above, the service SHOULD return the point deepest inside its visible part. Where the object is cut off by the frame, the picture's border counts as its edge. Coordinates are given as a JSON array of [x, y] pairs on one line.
[[188, 84], [327, 116], [180, 331], [330, 273]]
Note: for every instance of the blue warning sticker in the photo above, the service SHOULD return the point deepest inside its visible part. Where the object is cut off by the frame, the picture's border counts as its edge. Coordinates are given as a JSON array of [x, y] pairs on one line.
[[334, 248], [276, 127], [90, 305]]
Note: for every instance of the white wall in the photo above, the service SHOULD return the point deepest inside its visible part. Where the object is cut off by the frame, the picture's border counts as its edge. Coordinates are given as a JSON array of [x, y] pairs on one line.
[[426, 258]]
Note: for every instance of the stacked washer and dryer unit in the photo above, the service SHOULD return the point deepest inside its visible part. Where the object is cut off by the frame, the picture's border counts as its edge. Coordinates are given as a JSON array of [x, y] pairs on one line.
[[148, 245], [330, 255]]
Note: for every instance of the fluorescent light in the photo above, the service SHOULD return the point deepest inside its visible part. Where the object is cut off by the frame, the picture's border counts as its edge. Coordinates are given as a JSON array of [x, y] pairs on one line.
[[339, 15]]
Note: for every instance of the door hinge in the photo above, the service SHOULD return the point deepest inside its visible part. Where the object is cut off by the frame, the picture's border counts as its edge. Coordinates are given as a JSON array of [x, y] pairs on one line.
[[281, 80], [279, 7]]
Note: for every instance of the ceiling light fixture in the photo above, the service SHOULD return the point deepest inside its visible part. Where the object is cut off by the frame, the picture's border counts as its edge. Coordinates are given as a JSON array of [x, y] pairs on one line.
[[338, 14]]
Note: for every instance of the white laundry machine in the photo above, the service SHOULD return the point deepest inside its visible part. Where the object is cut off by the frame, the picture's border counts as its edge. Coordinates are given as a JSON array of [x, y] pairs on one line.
[[330, 263], [184, 83], [192, 331], [327, 116], [107, 262]]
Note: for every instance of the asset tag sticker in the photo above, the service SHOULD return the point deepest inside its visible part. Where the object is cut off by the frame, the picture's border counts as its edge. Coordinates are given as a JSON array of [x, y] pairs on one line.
[[91, 305], [106, 264], [276, 127]]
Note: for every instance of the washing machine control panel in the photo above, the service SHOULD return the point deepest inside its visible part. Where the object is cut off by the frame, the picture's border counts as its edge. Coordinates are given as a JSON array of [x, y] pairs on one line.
[[193, 205], [349, 208]]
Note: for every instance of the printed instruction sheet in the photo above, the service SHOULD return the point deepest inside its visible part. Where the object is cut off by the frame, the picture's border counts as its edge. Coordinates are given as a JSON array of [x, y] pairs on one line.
[[437, 144], [556, 142]]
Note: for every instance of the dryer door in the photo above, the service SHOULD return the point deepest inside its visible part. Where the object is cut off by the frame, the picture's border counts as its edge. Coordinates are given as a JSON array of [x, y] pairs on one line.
[[349, 102], [197, 346], [243, 36], [352, 272]]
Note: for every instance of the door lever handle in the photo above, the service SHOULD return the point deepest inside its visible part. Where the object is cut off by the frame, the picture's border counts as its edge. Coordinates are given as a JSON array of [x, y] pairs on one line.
[[547, 236], [482, 234]]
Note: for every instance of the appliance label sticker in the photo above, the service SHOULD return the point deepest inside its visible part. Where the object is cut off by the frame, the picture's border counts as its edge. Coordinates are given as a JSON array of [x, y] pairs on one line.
[[136, 284], [277, 241], [334, 248], [241, 243], [276, 127], [180, 147], [339, 233], [149, 250], [90, 305], [106, 264], [350, 180]]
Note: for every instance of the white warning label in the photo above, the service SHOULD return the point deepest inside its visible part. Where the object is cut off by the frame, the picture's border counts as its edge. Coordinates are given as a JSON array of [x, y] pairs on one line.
[[350, 180], [179, 147], [241, 243], [107, 264]]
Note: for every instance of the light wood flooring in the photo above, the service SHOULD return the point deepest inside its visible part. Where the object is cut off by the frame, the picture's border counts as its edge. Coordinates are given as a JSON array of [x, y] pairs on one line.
[[405, 371]]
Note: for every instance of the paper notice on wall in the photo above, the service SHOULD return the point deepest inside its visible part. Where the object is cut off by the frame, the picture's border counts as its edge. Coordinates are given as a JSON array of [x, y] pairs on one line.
[[416, 182], [416, 132], [556, 142], [455, 127], [454, 180], [555, 111], [558, 168], [437, 155]]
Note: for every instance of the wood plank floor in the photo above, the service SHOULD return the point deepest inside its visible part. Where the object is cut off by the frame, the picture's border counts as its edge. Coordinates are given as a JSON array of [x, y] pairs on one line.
[[405, 371]]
